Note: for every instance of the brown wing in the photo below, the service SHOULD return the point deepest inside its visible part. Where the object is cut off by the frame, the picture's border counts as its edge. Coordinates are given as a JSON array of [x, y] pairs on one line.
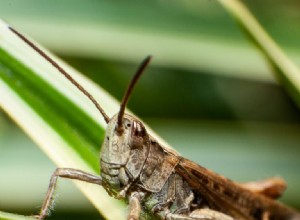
[[225, 196], [214, 188]]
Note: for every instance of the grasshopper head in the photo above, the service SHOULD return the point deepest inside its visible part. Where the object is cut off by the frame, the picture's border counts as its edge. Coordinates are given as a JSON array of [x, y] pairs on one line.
[[123, 153]]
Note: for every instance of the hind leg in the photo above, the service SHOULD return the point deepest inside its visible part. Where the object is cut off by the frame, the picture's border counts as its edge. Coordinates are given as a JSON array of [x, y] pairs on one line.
[[199, 214], [209, 214], [272, 187]]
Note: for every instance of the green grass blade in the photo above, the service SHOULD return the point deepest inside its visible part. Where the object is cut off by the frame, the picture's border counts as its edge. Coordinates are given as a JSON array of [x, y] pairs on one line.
[[286, 71], [54, 114]]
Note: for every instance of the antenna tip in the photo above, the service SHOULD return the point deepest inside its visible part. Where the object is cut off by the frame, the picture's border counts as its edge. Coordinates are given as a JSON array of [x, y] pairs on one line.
[[148, 58], [145, 63]]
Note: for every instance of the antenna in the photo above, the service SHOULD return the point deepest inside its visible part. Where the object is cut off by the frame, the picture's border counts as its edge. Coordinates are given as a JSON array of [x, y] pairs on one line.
[[62, 71], [127, 94]]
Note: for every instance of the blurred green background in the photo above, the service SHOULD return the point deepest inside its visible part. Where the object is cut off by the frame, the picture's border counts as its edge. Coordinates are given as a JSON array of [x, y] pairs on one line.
[[208, 91]]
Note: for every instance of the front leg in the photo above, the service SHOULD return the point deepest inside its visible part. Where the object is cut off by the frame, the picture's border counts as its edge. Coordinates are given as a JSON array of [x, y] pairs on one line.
[[68, 173], [135, 206]]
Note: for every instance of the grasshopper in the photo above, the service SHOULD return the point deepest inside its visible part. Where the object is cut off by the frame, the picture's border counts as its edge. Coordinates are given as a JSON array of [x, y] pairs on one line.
[[136, 168]]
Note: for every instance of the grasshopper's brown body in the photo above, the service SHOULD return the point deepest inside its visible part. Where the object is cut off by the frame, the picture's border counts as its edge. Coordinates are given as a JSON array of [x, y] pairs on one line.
[[135, 167], [173, 187]]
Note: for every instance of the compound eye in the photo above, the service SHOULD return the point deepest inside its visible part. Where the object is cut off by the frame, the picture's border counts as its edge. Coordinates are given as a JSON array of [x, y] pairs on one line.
[[138, 134], [138, 129]]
